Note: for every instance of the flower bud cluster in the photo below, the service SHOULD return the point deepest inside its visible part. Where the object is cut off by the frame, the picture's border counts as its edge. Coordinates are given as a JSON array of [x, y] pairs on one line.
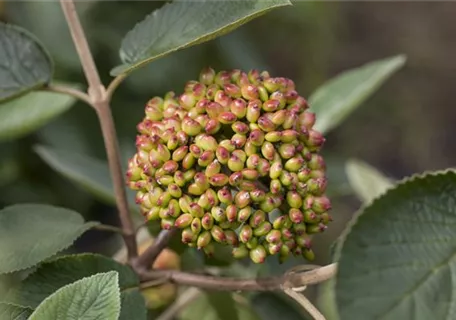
[[234, 159]]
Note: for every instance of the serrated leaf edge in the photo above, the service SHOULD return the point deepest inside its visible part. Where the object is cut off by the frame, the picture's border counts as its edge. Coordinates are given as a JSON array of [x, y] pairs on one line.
[[35, 39], [77, 282], [130, 67]]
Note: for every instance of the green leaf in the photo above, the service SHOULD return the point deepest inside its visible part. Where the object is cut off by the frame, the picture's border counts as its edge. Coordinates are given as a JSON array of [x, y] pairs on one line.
[[182, 24], [13, 312], [367, 182], [25, 64], [30, 233], [336, 99], [57, 273], [271, 306], [95, 297], [89, 173], [28, 113], [397, 260], [220, 306]]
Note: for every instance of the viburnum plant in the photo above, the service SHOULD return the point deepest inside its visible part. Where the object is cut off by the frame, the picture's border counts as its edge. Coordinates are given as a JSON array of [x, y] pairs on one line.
[[231, 164]]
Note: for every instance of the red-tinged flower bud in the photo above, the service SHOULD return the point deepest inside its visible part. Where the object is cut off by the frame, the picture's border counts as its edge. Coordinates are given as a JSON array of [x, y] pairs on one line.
[[235, 179], [152, 214], [321, 204], [275, 186], [230, 213], [227, 144], [222, 78], [180, 153], [211, 90], [294, 164], [268, 150], [253, 161], [196, 210], [317, 186], [304, 174], [250, 92], [279, 222], [182, 137], [242, 199], [187, 100], [214, 109], [240, 128], [306, 120], [253, 111], [266, 124], [231, 238], [207, 221], [250, 148], [274, 248], [222, 154], [189, 161], [240, 252], [303, 241], [134, 174], [263, 93], [286, 234], [315, 139], [191, 127], [174, 190], [286, 178], [224, 195], [183, 221], [271, 84], [179, 178], [227, 117], [257, 137], [296, 216], [271, 105], [273, 136], [247, 185], [289, 136], [257, 195], [218, 214], [239, 140], [245, 234], [279, 117], [222, 98], [258, 255], [316, 162], [167, 223], [212, 169], [290, 120], [244, 214], [206, 158], [250, 174], [207, 76], [212, 126], [287, 150], [317, 174], [232, 90], [188, 236], [203, 239], [274, 236], [325, 218], [239, 108], [262, 229], [184, 203], [268, 204], [299, 229], [209, 250], [257, 218], [294, 200], [170, 166], [173, 208], [218, 234], [316, 228]]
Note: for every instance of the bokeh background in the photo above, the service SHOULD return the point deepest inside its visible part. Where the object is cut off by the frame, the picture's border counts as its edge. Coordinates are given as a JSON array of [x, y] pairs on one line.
[[405, 127]]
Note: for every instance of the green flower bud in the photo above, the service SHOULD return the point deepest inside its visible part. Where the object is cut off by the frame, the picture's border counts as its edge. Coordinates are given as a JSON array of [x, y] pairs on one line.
[[242, 199], [273, 136], [257, 195], [290, 120], [257, 218], [188, 236], [268, 204], [189, 161], [308, 254], [303, 241], [325, 218], [250, 148], [245, 234], [287, 150], [239, 140], [316, 228], [152, 214], [266, 124], [316, 162], [180, 153], [196, 225], [196, 210], [183, 221], [231, 213], [240, 252], [294, 164], [252, 243], [224, 195], [239, 108], [304, 174], [203, 239], [207, 221], [218, 214], [274, 236], [253, 111], [222, 78], [294, 199], [218, 234], [267, 150], [317, 186], [299, 229], [258, 255], [191, 127], [262, 229], [321, 204], [275, 186], [164, 199], [207, 76]]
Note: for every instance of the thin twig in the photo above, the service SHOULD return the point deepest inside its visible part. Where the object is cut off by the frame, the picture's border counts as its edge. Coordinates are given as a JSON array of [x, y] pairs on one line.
[[113, 85], [115, 167], [99, 101], [105, 227], [69, 91], [188, 296], [96, 89], [278, 283], [305, 303], [147, 258]]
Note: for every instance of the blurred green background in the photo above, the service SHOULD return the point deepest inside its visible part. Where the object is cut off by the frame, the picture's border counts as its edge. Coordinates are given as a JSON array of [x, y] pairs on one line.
[[404, 128]]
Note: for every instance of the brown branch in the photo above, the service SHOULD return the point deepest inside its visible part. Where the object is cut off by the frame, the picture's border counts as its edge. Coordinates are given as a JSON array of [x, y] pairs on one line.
[[147, 258], [69, 91], [100, 101], [278, 283]]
